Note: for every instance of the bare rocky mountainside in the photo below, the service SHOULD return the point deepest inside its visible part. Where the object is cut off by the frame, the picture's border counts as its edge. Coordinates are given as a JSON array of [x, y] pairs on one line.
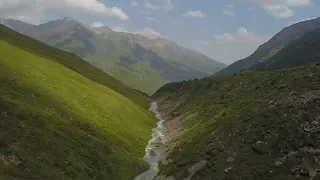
[[272, 47], [142, 63]]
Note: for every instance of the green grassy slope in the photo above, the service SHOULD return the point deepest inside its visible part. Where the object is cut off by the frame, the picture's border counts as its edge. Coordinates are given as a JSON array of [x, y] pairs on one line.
[[71, 61], [245, 124], [137, 76], [57, 124]]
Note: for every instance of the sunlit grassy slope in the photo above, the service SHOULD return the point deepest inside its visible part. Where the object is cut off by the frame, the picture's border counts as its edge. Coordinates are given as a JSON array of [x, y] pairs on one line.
[[138, 76], [57, 124], [71, 61]]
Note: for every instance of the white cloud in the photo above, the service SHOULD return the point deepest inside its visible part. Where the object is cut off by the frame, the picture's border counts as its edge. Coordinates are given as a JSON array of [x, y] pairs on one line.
[[151, 19], [134, 3], [159, 4], [224, 37], [230, 47], [281, 9], [285, 2], [148, 32], [229, 13], [229, 6], [97, 24], [33, 11], [242, 35], [198, 14]]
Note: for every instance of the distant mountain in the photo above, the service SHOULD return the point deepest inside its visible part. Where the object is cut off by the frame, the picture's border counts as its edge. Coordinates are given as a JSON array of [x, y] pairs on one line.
[[302, 51], [272, 47], [142, 63], [174, 54]]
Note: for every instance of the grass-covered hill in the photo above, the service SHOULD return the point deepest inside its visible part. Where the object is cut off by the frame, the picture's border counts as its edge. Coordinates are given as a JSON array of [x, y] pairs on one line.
[[61, 118], [131, 58], [71, 61], [253, 125]]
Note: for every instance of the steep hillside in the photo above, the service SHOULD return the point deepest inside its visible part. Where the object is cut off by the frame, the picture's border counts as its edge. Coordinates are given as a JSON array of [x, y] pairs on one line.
[[61, 118], [120, 54], [254, 125], [73, 62], [300, 52], [272, 47]]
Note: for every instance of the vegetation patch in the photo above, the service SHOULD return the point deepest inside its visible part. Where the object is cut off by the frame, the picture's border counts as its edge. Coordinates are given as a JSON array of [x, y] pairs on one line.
[[246, 124]]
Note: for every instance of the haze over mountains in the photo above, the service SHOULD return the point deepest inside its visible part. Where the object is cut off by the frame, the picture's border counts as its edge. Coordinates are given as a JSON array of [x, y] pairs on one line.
[[142, 63]]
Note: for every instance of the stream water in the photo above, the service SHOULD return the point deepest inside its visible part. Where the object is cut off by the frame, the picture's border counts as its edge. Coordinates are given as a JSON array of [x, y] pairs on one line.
[[154, 148]]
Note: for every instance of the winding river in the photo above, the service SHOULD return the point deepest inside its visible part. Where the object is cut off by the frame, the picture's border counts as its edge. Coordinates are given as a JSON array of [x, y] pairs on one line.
[[154, 148]]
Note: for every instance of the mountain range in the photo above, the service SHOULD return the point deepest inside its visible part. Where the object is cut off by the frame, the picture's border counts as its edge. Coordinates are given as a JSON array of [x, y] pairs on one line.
[[271, 48], [304, 50], [142, 63]]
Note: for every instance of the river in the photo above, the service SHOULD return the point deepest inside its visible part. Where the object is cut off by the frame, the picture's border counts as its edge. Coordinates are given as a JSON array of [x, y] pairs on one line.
[[154, 148]]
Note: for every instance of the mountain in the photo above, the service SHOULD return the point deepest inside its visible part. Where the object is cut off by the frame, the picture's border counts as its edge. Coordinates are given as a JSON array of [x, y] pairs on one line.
[[300, 52], [66, 117], [131, 58], [252, 125], [177, 55], [19, 26], [272, 47], [170, 51]]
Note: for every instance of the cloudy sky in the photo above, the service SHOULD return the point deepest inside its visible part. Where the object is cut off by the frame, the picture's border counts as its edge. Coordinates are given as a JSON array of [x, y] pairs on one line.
[[226, 30]]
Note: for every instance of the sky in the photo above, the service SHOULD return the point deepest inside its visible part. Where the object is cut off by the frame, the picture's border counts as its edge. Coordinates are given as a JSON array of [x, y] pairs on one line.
[[225, 30]]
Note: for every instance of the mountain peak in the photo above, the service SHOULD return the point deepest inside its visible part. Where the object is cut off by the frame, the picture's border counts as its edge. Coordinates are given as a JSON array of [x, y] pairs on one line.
[[101, 29]]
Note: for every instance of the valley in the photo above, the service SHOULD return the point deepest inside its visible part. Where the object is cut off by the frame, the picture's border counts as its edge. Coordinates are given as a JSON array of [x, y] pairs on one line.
[[91, 102]]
